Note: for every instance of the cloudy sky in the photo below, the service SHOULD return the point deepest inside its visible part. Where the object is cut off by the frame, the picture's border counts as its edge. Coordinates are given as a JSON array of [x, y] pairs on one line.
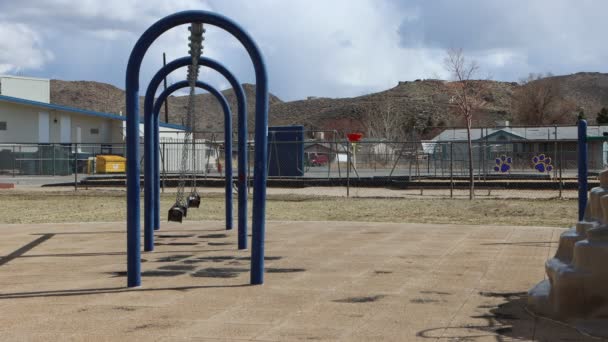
[[333, 48]]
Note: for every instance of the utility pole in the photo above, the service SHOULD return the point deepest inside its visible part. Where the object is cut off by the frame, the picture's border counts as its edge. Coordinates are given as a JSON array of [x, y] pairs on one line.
[[165, 84]]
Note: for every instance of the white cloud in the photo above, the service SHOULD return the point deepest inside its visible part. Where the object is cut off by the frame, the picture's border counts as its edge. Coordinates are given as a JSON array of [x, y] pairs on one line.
[[331, 48], [312, 47], [21, 49]]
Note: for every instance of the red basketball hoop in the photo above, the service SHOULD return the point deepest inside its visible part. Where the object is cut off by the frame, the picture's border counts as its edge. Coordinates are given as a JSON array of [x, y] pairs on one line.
[[354, 137]]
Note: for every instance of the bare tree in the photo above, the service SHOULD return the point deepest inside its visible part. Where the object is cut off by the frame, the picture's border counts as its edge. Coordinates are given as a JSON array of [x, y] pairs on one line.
[[385, 123], [466, 97], [539, 101]]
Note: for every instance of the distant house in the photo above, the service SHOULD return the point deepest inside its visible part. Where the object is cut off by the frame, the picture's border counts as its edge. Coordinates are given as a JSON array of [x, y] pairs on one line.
[[522, 144], [320, 147]]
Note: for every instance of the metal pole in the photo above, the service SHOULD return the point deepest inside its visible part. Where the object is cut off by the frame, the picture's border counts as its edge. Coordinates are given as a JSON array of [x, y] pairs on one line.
[[53, 147], [194, 153], [390, 175], [409, 173], [451, 170], [348, 170], [14, 161], [485, 156], [561, 181], [555, 171], [149, 198], [582, 168], [337, 153], [248, 170], [329, 163], [164, 170], [75, 167], [165, 85]]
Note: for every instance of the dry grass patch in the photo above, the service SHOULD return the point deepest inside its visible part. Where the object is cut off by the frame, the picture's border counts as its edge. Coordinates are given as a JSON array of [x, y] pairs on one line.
[[19, 206]]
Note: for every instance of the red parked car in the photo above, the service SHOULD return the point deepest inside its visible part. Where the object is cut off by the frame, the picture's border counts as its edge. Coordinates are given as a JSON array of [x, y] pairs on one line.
[[319, 160]]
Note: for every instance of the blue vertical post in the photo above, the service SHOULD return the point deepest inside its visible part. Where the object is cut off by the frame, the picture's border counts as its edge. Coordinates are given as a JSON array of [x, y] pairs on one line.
[[132, 142], [227, 146], [149, 179], [242, 180], [582, 168], [258, 225], [156, 186]]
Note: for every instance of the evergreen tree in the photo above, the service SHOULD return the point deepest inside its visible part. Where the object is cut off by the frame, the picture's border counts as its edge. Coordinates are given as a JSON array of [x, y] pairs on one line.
[[581, 115], [602, 116]]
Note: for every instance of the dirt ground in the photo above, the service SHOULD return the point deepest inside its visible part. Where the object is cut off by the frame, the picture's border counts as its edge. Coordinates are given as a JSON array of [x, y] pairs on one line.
[[324, 281], [55, 205]]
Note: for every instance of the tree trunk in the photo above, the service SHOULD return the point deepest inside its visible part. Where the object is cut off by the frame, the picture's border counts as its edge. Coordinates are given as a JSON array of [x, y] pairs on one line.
[[470, 147]]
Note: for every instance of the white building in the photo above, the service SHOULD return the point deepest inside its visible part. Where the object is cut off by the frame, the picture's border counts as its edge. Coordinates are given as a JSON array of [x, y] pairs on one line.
[[28, 118], [28, 88], [32, 128]]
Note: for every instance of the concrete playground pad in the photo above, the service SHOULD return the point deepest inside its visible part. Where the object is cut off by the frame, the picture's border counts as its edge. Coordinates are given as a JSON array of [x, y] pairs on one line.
[[344, 281]]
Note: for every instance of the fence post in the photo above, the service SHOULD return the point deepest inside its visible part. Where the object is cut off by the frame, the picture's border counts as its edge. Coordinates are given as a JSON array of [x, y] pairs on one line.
[[561, 181], [249, 169], [337, 151], [416, 159], [76, 167], [485, 155], [348, 169], [409, 172], [164, 169], [14, 161], [555, 146], [53, 147], [451, 170], [329, 163]]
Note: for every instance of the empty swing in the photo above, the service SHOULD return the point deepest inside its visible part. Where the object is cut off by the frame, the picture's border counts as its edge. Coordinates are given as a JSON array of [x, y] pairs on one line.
[[179, 210]]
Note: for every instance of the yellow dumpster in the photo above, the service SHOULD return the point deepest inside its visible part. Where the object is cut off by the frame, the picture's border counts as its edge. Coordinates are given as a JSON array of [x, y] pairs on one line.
[[110, 164]]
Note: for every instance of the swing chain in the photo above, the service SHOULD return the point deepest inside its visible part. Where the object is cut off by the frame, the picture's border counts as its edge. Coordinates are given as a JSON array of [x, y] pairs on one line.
[[196, 48]]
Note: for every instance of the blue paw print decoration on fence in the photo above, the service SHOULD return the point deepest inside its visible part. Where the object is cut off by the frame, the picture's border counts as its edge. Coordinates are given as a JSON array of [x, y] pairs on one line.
[[542, 163], [503, 164]]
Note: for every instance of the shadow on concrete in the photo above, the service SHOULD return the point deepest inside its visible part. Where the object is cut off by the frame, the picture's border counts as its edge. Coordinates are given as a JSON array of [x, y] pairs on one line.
[[124, 232], [69, 255], [522, 244], [105, 290], [507, 321], [24, 249], [85, 233]]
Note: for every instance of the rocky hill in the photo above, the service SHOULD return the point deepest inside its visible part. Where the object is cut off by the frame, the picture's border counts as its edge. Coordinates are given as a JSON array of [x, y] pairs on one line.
[[420, 104], [107, 98]]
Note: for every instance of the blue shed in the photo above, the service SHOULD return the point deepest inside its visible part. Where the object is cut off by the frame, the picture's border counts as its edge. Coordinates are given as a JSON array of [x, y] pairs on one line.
[[286, 151]]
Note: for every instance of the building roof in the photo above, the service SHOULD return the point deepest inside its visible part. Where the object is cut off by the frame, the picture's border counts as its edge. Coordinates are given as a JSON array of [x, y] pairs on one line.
[[25, 78], [309, 144], [520, 133], [4, 98]]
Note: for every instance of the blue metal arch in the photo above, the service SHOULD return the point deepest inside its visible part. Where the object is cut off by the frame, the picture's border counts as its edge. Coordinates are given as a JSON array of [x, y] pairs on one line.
[[132, 139], [149, 237], [151, 122]]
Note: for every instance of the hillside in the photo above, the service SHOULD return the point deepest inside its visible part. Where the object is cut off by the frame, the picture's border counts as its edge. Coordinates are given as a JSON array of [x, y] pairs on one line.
[[103, 97], [419, 103]]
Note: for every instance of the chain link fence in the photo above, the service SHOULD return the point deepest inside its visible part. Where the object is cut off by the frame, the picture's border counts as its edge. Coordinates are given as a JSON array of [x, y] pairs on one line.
[[417, 166]]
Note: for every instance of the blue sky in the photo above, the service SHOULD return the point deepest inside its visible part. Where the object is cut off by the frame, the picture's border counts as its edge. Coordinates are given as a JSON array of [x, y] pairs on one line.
[[333, 48]]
